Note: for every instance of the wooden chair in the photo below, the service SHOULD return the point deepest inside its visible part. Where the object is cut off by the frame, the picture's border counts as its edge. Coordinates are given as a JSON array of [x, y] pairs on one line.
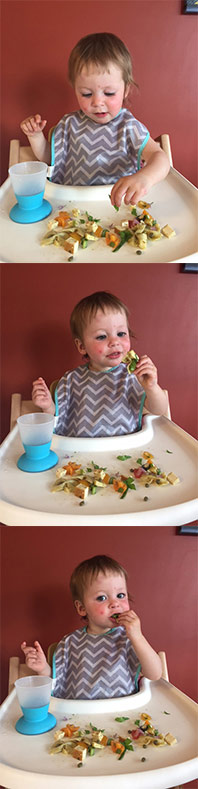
[[20, 407], [18, 670], [24, 153]]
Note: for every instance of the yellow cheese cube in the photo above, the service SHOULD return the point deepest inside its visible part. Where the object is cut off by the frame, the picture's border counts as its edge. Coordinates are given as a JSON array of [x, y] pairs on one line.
[[168, 231], [170, 739], [172, 478], [80, 752], [71, 245], [81, 491]]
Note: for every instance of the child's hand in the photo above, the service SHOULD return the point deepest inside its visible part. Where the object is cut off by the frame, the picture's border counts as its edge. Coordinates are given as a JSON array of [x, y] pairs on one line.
[[32, 125], [131, 187], [41, 396], [34, 657], [131, 622], [146, 372]]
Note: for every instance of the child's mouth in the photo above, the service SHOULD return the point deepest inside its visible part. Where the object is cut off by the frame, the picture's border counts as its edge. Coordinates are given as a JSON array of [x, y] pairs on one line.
[[113, 355]]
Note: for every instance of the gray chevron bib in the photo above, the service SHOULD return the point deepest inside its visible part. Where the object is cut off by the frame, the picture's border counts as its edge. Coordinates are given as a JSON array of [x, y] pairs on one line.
[[95, 666], [90, 403], [84, 152]]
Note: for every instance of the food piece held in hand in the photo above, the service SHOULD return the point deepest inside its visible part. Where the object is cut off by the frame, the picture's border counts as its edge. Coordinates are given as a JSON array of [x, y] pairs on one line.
[[131, 359]]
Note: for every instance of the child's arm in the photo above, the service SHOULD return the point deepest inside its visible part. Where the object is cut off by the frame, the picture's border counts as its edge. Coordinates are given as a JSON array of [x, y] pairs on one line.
[[156, 399], [35, 659], [41, 396], [150, 662], [33, 128], [133, 187]]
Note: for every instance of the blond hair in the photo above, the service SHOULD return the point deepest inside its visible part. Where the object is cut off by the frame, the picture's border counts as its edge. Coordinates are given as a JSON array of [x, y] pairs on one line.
[[101, 49], [84, 573], [87, 308]]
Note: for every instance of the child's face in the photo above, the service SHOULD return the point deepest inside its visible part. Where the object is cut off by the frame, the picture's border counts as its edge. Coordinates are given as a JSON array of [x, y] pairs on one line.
[[106, 340], [104, 596], [100, 93]]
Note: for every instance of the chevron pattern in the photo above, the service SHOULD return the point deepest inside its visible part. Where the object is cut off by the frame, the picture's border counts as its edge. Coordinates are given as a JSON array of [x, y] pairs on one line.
[[95, 666], [98, 403], [87, 153]]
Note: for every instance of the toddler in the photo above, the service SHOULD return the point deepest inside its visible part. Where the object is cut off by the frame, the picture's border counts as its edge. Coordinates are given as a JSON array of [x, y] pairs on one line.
[[104, 658], [100, 398], [101, 143]]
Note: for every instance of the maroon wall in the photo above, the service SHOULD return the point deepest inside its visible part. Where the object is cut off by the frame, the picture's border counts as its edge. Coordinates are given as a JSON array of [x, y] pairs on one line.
[[36, 306], [36, 567], [37, 38]]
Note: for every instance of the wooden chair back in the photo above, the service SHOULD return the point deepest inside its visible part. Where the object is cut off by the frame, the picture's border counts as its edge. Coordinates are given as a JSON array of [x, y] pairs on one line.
[[24, 153]]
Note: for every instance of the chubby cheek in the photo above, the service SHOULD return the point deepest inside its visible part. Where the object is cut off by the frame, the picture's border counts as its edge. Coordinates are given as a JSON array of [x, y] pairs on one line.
[[99, 610], [126, 344], [83, 104], [96, 349]]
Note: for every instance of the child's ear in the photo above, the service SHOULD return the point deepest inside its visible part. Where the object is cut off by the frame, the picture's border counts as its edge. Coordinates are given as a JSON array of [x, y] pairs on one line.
[[126, 92], [80, 608], [80, 347]]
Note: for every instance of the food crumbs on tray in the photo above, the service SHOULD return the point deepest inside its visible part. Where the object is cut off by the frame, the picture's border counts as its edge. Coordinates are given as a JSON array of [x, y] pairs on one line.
[[80, 744], [73, 230], [73, 478]]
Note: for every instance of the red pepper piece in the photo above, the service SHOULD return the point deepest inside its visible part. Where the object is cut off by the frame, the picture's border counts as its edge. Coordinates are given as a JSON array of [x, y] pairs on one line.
[[138, 472], [136, 733]]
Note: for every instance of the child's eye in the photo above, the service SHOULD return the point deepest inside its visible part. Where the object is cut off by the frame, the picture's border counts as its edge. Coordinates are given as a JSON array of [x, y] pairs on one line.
[[109, 94], [101, 598], [121, 333], [101, 337], [121, 595], [86, 95]]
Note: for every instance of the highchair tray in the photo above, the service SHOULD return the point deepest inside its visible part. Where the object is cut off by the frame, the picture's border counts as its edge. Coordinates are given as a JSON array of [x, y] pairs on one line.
[[174, 203], [26, 762], [27, 499]]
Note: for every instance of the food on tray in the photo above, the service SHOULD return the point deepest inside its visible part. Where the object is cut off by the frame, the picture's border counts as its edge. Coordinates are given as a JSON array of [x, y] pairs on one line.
[[131, 358], [80, 743], [146, 733], [82, 482], [168, 231], [75, 229]]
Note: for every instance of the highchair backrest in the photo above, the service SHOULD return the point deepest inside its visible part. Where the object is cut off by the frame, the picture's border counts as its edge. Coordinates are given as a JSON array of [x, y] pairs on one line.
[[18, 670], [24, 153], [20, 407]]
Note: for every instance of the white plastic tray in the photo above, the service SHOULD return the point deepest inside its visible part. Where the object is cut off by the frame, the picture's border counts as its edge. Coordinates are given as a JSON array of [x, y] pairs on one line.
[[174, 203], [26, 499], [27, 764]]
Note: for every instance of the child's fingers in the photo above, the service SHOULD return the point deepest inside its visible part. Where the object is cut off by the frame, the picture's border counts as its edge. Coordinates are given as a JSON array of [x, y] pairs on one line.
[[133, 195], [40, 389], [33, 124], [39, 381], [38, 647], [118, 192]]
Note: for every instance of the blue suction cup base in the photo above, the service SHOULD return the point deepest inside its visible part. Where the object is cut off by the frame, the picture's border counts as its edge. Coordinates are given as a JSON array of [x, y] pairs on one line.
[[26, 463], [27, 217], [35, 727]]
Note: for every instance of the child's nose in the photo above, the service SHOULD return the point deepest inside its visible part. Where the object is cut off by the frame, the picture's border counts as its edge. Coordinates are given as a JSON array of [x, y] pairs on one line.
[[114, 603], [113, 340], [96, 100]]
